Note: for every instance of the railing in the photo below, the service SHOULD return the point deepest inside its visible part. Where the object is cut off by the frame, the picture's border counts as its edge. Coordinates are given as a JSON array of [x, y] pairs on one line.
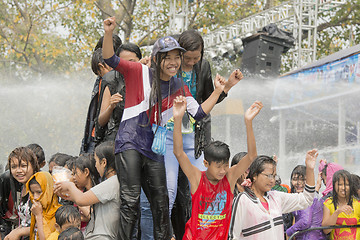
[[322, 228]]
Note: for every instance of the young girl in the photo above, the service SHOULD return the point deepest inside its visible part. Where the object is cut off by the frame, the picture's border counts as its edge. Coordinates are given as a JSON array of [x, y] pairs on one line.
[[45, 203], [104, 197], [22, 164], [310, 217], [85, 177], [257, 212], [58, 159], [327, 171], [148, 100], [343, 208]]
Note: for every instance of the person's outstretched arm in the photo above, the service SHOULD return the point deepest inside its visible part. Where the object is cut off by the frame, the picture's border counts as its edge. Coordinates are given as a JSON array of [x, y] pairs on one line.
[[236, 171], [107, 47], [219, 83], [310, 162], [191, 172], [68, 191]]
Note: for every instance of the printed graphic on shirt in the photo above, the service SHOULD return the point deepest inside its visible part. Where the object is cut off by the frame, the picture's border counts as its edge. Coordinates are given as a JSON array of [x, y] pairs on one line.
[[345, 233], [211, 209]]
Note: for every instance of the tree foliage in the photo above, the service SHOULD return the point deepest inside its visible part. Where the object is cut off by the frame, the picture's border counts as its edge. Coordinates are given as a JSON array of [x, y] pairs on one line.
[[57, 36]]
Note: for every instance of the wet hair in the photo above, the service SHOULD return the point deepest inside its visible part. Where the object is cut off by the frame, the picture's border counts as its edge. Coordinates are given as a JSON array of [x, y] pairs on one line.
[[70, 163], [191, 40], [236, 159], [155, 93], [345, 175], [60, 159], [106, 150], [131, 47], [24, 154], [300, 171], [258, 166], [67, 214], [97, 59], [217, 151], [88, 161], [356, 180], [72, 233], [39, 152], [324, 170], [116, 43]]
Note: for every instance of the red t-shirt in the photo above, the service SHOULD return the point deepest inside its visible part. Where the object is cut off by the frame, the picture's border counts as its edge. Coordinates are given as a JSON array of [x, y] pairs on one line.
[[211, 211]]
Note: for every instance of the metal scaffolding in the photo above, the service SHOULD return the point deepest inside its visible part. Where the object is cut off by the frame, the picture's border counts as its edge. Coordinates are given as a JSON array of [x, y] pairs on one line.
[[297, 16], [179, 12]]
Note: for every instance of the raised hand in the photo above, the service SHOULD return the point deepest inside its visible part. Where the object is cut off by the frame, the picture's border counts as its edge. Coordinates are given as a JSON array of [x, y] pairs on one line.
[[146, 61], [62, 188], [310, 159], [318, 182], [109, 24], [179, 106], [234, 78], [253, 110], [219, 82]]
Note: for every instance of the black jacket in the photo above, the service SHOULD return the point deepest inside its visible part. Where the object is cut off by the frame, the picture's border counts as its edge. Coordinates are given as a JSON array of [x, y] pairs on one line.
[[90, 119], [115, 81], [204, 82]]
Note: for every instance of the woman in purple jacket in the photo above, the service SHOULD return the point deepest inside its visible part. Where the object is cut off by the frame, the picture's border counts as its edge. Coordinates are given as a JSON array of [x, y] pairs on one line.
[[310, 217]]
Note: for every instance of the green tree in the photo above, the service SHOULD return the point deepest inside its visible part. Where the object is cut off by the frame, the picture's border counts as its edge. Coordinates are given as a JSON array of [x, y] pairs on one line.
[[57, 36]]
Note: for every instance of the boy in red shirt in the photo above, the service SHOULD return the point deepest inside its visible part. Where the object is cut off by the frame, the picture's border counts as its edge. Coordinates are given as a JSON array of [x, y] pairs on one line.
[[212, 190]]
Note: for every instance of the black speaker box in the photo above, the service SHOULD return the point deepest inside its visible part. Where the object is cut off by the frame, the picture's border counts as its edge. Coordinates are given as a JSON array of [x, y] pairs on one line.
[[262, 55]]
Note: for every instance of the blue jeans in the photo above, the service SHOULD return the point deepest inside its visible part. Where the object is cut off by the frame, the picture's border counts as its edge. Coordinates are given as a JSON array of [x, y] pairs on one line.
[[172, 170]]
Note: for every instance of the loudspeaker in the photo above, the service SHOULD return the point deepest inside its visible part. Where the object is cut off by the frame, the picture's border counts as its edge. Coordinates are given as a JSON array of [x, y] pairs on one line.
[[262, 55]]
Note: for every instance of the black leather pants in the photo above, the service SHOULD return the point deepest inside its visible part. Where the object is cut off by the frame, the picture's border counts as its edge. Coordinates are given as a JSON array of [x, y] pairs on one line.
[[134, 171]]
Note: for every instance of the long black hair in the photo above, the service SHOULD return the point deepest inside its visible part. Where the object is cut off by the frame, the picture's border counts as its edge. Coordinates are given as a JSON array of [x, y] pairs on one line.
[[345, 175], [258, 166], [300, 171], [23, 154], [155, 93], [106, 150], [191, 40], [88, 161]]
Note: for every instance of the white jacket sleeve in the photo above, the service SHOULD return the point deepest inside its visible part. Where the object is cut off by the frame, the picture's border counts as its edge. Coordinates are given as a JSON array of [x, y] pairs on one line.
[[236, 218], [297, 201]]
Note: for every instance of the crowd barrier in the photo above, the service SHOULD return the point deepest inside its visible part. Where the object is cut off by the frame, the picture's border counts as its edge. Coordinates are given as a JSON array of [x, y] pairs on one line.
[[292, 237]]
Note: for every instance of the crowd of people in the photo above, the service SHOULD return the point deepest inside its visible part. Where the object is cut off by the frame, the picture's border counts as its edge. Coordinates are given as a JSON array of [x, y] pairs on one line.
[[148, 169]]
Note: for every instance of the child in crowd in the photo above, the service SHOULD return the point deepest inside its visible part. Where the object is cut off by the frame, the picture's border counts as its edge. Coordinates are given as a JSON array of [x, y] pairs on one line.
[[356, 181], [148, 102], [58, 159], [66, 216], [85, 177], [88, 141], [45, 203], [39, 153], [22, 164], [235, 160], [327, 171], [257, 212], [310, 217], [343, 208], [72, 233], [104, 197], [212, 190]]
